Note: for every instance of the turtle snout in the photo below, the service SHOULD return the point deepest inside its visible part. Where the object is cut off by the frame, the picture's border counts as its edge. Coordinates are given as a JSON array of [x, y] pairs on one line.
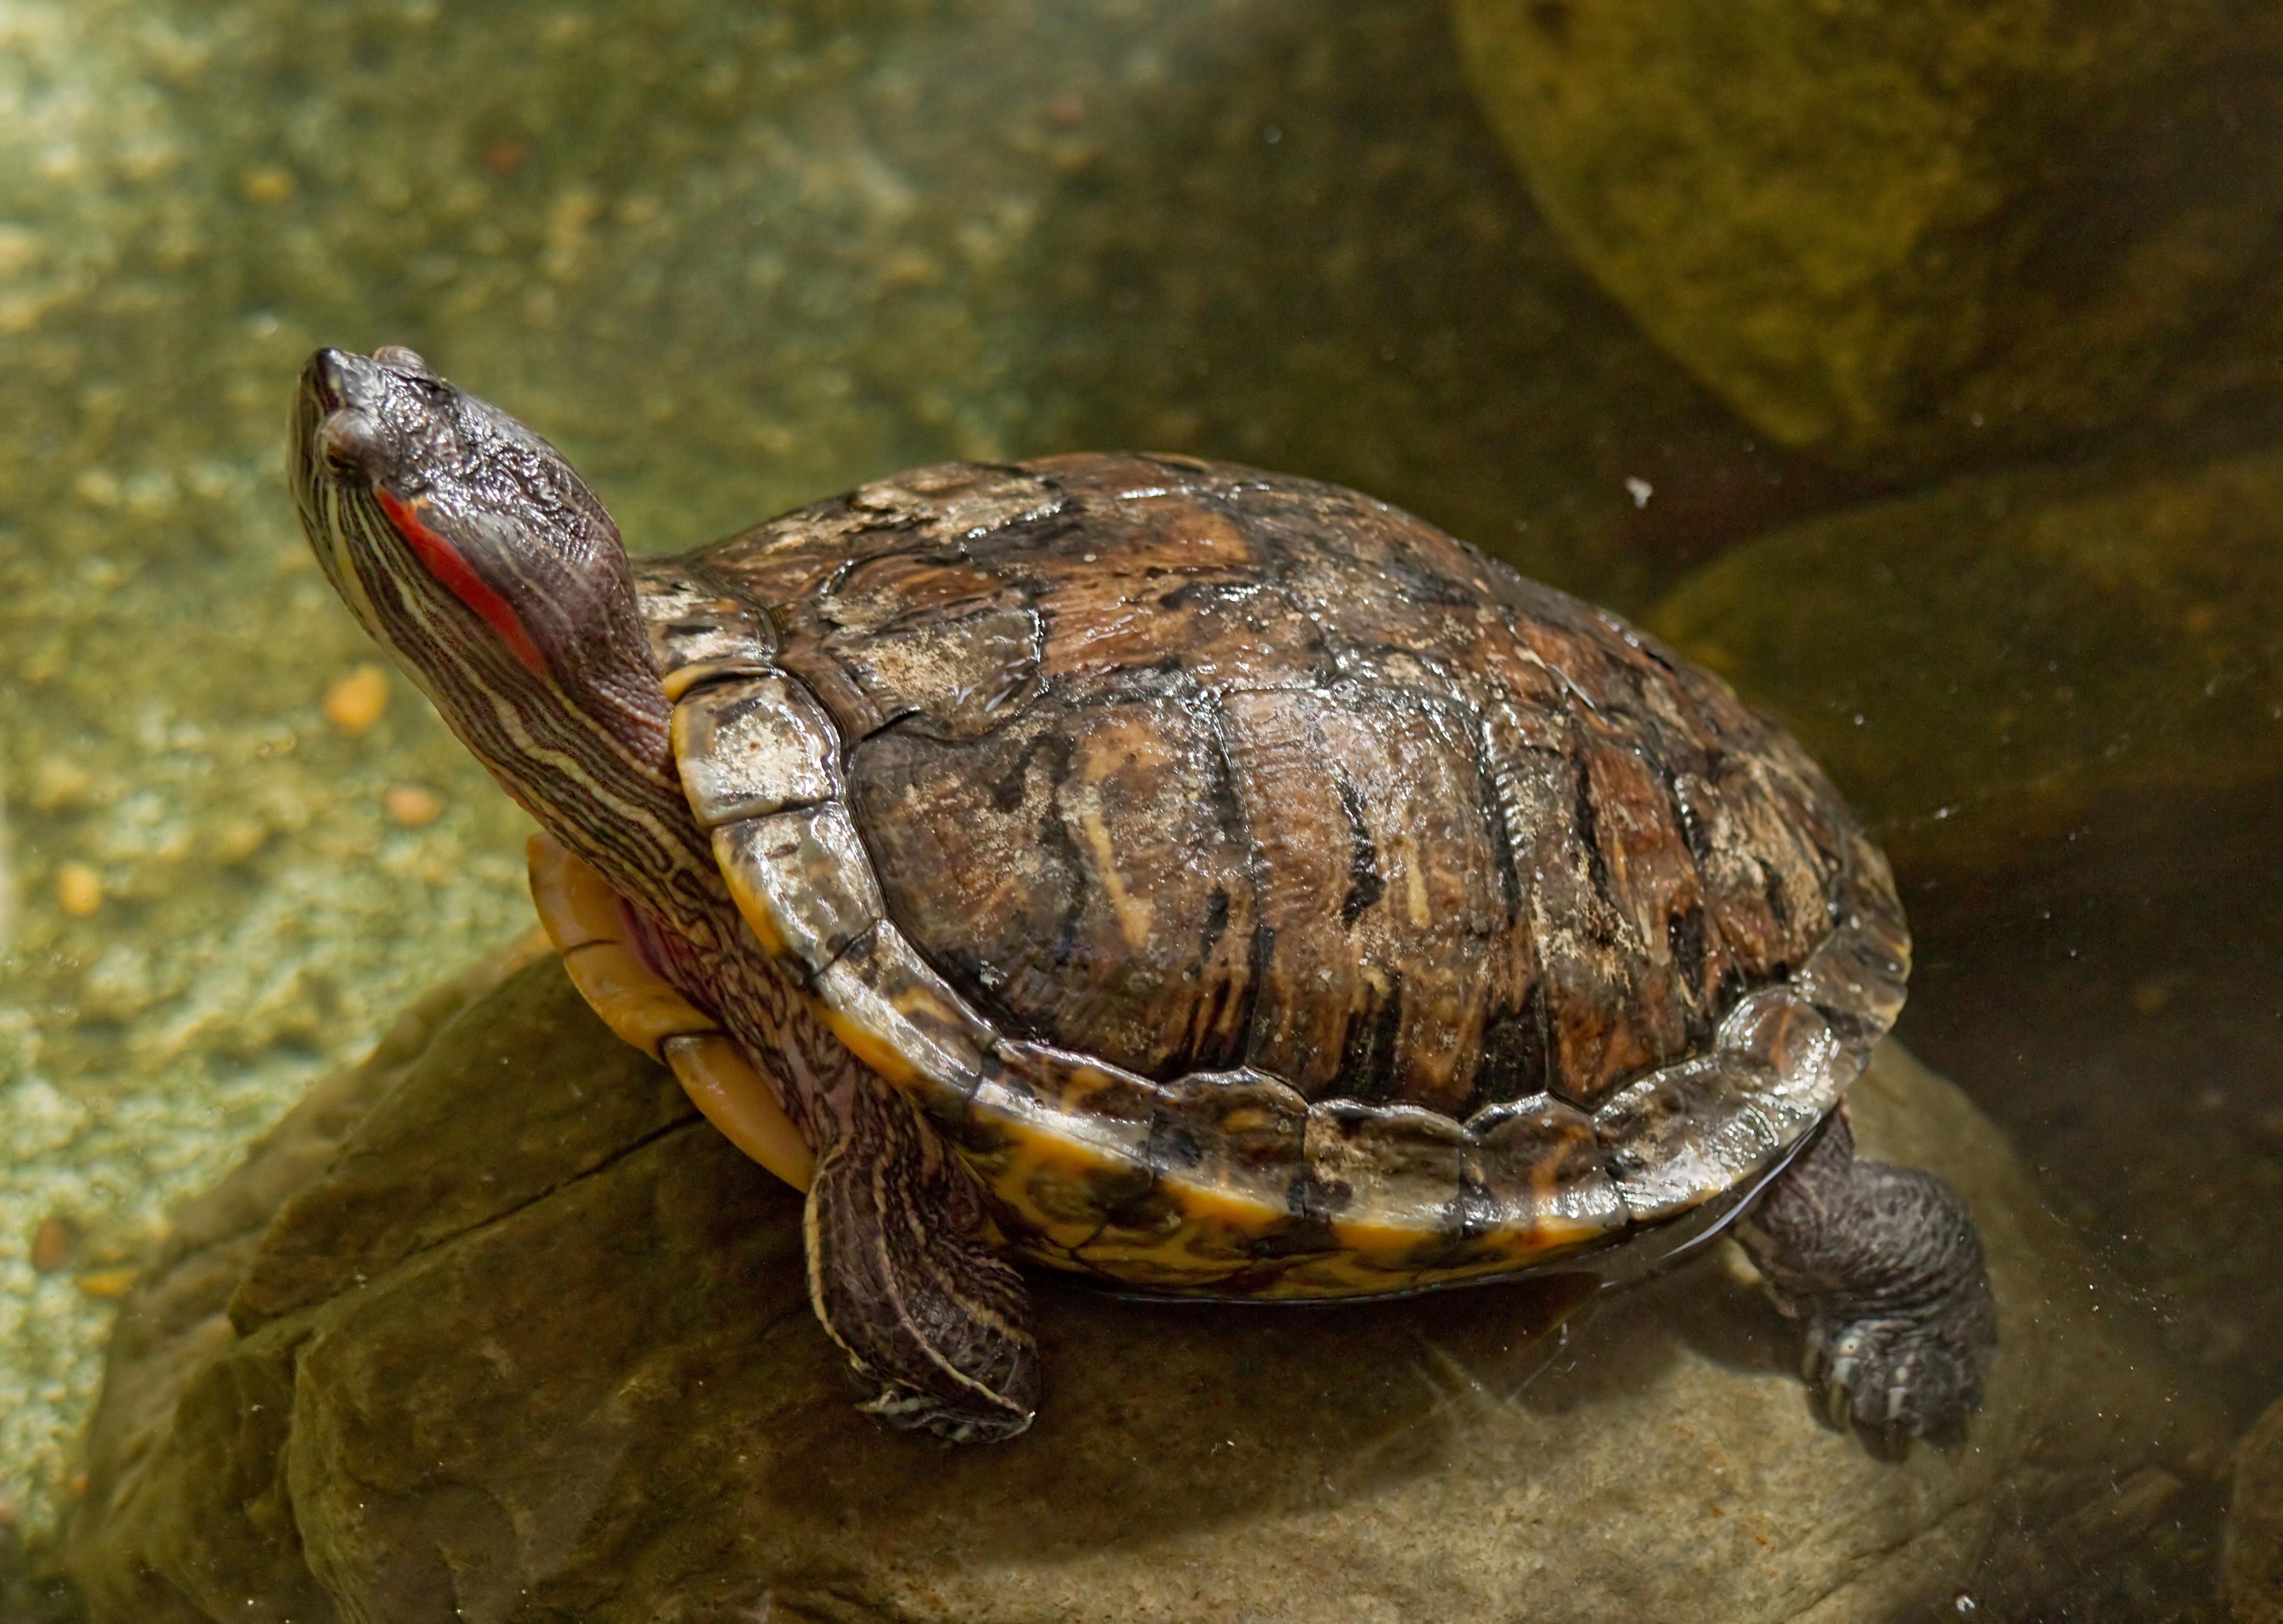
[[336, 378]]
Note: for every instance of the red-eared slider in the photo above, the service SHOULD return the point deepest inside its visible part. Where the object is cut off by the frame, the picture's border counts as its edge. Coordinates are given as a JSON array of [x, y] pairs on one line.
[[1216, 882]]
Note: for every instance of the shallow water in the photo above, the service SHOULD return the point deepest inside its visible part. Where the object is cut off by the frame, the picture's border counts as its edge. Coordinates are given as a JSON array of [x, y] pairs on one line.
[[733, 258]]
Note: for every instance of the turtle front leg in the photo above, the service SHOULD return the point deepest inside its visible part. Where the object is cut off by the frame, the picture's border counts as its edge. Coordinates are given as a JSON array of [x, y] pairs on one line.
[[1884, 1266], [903, 1276]]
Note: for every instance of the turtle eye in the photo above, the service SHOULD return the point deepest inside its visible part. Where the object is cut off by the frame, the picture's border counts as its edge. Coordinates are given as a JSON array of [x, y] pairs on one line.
[[396, 358], [351, 442]]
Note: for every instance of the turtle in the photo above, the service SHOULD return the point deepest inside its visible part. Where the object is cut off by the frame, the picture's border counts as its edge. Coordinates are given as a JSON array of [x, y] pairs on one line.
[[1217, 883]]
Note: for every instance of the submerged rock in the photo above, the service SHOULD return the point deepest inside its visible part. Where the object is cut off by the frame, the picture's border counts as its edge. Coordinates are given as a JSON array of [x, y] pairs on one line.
[[1981, 667], [493, 1327], [2251, 1562], [1914, 235]]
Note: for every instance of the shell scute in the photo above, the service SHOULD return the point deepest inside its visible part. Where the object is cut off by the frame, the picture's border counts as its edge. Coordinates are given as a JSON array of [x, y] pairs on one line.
[[1079, 867], [1680, 1134], [1539, 1161], [947, 502], [896, 1016], [1388, 1180], [750, 746], [1061, 1140], [802, 880], [698, 631], [1232, 1145], [1234, 837]]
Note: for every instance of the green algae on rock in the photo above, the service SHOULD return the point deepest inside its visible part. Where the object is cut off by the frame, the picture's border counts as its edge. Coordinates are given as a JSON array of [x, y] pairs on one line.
[[1913, 236], [1981, 667], [521, 1338]]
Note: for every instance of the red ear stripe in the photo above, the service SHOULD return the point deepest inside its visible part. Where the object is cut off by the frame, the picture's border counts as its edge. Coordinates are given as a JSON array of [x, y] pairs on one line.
[[444, 562]]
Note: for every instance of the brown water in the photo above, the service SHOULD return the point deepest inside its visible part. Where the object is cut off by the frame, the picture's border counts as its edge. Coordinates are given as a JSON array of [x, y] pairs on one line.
[[734, 258]]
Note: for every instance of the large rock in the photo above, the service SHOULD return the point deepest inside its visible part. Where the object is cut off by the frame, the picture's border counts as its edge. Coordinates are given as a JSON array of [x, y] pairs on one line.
[[521, 1339], [2251, 1560], [1983, 668], [1911, 235]]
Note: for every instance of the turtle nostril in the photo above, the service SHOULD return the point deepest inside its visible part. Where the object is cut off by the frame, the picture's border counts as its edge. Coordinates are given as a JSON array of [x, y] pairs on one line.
[[327, 376], [351, 442]]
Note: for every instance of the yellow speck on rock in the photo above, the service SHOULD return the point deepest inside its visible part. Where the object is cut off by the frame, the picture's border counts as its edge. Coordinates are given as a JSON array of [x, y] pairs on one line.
[[356, 701], [79, 889], [106, 1282], [267, 184]]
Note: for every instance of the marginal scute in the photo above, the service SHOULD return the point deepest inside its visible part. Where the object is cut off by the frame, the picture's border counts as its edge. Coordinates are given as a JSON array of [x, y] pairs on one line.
[[899, 1017], [749, 746], [802, 880], [1062, 1139], [1785, 1058], [698, 633], [1858, 975], [1389, 1176], [1540, 1168], [1681, 1134], [1232, 1144]]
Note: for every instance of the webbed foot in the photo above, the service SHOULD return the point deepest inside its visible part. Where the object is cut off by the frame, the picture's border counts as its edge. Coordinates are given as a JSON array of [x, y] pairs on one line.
[[903, 1277], [1884, 1267]]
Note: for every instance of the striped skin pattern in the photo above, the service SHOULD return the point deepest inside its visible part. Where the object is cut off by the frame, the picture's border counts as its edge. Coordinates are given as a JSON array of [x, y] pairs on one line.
[[584, 745], [1270, 896]]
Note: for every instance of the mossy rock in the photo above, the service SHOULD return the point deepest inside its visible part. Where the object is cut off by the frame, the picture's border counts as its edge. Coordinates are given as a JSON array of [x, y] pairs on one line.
[[493, 1328], [1910, 236], [1985, 668]]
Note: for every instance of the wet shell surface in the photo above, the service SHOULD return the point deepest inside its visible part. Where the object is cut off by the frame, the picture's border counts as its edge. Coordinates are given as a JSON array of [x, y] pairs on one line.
[[1268, 894]]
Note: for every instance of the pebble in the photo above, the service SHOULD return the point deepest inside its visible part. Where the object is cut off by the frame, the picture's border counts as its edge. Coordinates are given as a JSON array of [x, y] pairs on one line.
[[413, 805], [355, 703], [50, 1246], [58, 781], [106, 1282], [79, 889], [267, 184]]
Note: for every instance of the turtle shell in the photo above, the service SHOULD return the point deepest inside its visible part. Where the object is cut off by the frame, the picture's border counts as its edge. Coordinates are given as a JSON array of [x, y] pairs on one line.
[[1268, 893]]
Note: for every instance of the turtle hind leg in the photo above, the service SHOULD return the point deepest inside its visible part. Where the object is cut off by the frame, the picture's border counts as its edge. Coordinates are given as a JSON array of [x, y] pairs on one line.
[[903, 1277], [1884, 1266]]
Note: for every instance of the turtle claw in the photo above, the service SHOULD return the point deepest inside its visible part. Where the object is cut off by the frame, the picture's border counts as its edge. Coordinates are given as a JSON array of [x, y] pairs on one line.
[[1899, 1378]]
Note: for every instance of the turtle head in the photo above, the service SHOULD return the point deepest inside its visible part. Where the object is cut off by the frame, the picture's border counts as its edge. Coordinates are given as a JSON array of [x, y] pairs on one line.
[[473, 553]]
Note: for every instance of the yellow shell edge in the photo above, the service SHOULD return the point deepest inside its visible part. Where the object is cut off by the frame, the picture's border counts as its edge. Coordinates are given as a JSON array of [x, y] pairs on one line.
[[724, 1085], [580, 913]]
